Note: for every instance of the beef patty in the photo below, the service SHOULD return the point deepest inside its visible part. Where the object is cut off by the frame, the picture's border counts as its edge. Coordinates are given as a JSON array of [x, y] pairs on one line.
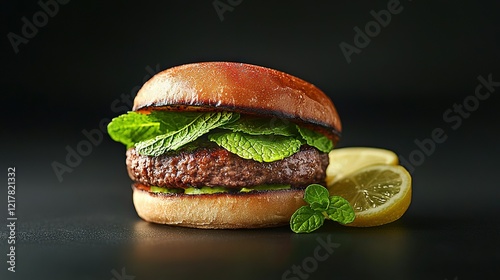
[[217, 167]]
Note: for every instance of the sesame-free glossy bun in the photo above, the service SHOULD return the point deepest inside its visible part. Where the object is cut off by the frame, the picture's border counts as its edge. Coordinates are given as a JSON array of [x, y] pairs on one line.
[[239, 87], [220, 210]]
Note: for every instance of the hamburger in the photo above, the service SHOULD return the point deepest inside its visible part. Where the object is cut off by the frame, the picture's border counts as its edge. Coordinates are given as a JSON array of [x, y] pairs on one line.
[[225, 145]]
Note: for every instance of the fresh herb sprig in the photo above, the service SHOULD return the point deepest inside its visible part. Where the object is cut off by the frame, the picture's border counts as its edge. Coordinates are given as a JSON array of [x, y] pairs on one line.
[[321, 206]]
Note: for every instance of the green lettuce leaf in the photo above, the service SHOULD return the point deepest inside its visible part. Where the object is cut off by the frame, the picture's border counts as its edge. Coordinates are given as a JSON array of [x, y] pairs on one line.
[[172, 121], [186, 131], [263, 126], [261, 139], [212, 190], [261, 148], [315, 139], [277, 126], [133, 127]]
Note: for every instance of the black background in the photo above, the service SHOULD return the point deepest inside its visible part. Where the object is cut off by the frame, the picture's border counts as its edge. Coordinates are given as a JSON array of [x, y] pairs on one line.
[[74, 72]]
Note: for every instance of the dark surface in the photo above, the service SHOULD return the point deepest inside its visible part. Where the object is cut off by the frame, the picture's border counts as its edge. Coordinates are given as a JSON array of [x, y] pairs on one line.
[[83, 67]]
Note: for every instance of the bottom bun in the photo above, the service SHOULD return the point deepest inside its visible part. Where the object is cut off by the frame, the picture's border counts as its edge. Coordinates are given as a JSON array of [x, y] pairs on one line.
[[220, 210]]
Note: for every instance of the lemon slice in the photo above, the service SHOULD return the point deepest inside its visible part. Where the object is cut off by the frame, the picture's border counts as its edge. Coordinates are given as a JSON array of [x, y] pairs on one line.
[[344, 161], [379, 194]]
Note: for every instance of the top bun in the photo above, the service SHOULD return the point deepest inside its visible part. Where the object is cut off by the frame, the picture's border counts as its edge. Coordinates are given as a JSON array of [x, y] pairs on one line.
[[239, 87]]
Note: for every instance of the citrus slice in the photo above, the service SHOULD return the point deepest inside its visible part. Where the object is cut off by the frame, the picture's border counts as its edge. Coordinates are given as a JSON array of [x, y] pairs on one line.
[[379, 194], [344, 161]]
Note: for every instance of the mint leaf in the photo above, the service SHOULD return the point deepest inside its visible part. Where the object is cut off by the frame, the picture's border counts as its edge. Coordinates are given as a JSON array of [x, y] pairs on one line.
[[186, 132], [263, 126], [172, 121], [321, 206], [340, 210], [261, 148], [133, 127], [315, 139], [306, 220], [317, 196]]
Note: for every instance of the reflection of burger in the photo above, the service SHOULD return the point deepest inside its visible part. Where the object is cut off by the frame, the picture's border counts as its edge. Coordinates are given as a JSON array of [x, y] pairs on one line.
[[225, 145], [185, 253]]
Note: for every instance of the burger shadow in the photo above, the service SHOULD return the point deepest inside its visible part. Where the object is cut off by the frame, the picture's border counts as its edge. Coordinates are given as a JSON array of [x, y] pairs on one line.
[[269, 253], [172, 251]]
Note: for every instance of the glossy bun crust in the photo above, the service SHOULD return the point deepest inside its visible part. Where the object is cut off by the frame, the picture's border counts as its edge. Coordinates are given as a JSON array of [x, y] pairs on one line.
[[240, 88]]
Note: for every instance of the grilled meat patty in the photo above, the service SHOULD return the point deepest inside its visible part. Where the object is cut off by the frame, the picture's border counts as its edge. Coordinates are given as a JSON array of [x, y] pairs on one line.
[[217, 167]]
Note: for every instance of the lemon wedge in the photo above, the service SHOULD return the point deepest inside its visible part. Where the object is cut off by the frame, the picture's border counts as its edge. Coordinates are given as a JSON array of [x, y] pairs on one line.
[[379, 193], [344, 161]]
